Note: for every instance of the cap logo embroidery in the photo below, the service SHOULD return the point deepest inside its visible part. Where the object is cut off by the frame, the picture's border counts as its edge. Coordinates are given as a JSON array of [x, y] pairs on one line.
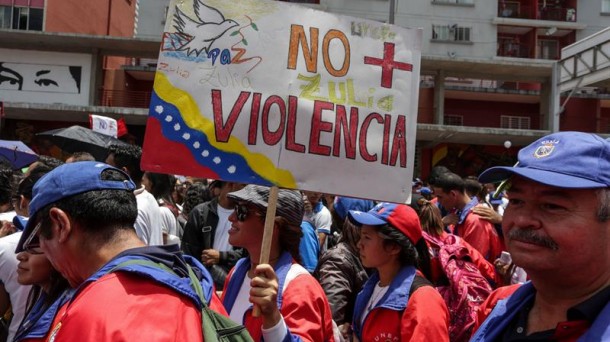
[[548, 146]]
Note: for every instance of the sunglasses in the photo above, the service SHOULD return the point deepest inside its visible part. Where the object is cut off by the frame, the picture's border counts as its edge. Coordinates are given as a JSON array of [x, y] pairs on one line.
[[242, 211], [30, 245]]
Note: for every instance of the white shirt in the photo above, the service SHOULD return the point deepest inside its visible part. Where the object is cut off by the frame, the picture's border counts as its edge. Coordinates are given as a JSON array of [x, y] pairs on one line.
[[221, 235], [378, 293], [148, 222], [18, 293]]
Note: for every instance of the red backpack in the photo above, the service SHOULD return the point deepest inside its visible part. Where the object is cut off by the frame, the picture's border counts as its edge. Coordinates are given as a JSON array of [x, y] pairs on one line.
[[466, 290]]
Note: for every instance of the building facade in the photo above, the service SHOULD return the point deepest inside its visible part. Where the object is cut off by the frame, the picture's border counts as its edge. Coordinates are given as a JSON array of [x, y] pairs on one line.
[[489, 72]]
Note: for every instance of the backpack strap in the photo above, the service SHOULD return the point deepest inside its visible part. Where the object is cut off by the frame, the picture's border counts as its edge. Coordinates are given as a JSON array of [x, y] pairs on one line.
[[214, 326], [418, 282]]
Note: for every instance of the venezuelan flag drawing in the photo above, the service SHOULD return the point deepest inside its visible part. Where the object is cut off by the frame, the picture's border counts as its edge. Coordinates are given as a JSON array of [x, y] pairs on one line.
[[179, 140]]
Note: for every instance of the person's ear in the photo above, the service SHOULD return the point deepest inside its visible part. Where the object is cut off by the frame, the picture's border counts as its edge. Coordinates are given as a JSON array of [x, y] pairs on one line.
[[393, 249], [23, 203], [61, 225]]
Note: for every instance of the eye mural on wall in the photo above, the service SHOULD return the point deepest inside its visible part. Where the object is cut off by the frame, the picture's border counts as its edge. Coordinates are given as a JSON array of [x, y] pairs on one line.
[[40, 77]]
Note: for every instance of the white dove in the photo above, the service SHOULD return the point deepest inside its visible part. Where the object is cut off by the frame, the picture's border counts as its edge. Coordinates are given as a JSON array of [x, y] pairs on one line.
[[209, 26]]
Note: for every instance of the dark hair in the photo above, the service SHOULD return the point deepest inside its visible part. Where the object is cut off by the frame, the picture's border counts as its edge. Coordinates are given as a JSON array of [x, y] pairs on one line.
[[161, 185], [410, 255], [473, 187], [603, 212], [430, 217], [350, 235], [128, 156], [290, 237], [197, 193], [450, 181], [58, 284], [100, 213], [6, 185], [435, 173], [48, 161], [82, 156], [26, 185]]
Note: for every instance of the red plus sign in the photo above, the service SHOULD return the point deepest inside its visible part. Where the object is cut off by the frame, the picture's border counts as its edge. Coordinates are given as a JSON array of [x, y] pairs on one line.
[[388, 64]]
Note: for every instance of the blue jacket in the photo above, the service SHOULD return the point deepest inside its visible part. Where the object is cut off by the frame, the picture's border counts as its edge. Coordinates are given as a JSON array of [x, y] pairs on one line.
[[395, 298], [507, 309], [38, 321]]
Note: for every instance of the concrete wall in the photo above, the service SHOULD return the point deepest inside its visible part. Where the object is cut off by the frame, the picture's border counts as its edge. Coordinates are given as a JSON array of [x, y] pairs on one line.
[[424, 14], [589, 12], [98, 17]]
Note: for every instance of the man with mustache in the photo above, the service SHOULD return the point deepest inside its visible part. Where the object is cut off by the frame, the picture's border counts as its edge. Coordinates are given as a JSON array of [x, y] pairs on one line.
[[557, 227]]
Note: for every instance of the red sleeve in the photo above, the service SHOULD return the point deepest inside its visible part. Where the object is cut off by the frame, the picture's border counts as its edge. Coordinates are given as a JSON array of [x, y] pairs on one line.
[[216, 305], [306, 310], [488, 305], [426, 317]]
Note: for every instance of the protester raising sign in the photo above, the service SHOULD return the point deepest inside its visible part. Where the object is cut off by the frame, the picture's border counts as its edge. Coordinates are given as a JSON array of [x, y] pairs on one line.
[[271, 93]]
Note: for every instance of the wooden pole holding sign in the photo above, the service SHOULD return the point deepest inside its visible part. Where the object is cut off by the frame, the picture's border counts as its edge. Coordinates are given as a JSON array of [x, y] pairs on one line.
[[268, 234]]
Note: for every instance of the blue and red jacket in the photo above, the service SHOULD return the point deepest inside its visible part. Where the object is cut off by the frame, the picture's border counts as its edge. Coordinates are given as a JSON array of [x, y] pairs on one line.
[[301, 302], [400, 315], [111, 302], [507, 309]]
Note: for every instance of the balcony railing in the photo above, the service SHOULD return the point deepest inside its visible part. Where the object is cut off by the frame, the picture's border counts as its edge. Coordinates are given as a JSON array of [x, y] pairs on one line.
[[557, 14], [514, 9], [513, 50], [124, 98]]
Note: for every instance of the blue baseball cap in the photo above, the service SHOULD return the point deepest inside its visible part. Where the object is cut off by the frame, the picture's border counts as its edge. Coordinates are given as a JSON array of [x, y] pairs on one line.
[[68, 180], [20, 222], [425, 191], [573, 160], [343, 204], [399, 216]]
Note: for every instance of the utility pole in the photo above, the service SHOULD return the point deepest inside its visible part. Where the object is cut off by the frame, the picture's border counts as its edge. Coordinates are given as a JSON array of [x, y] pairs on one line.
[[392, 7]]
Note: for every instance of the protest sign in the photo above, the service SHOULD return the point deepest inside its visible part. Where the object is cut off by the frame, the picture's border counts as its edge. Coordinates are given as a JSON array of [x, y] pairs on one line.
[[271, 93]]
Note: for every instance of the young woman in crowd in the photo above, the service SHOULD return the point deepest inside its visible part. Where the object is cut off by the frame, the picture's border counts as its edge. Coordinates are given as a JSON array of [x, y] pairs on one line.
[[292, 304], [160, 186], [435, 236], [397, 302], [49, 292]]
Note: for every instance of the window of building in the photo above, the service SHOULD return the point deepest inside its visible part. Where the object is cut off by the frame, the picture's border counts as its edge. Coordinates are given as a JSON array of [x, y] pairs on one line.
[[5, 17], [548, 49], [514, 122], [606, 6], [453, 120], [450, 33], [21, 17]]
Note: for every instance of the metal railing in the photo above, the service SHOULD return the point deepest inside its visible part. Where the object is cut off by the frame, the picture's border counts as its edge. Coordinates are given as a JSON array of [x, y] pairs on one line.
[[511, 49], [124, 98], [514, 9]]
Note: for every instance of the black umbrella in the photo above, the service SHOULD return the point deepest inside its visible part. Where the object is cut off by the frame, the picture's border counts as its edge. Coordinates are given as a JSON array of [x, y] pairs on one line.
[[80, 139]]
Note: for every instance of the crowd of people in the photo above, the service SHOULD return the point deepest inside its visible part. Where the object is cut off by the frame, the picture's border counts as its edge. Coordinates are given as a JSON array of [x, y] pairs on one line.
[[103, 251]]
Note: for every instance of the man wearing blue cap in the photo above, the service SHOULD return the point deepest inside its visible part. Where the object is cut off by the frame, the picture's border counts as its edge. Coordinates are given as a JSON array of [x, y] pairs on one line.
[[557, 228], [82, 217]]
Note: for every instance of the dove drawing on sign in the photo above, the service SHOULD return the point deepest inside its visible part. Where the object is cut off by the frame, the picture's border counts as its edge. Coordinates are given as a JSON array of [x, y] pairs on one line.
[[209, 25]]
